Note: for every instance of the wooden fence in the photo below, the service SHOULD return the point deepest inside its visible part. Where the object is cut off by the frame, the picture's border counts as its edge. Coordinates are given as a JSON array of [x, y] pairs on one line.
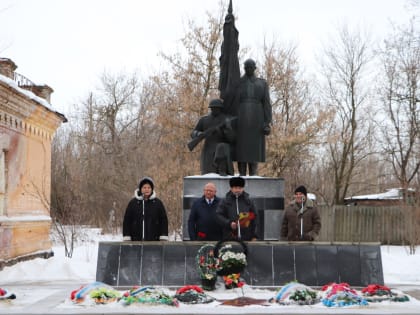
[[388, 225]]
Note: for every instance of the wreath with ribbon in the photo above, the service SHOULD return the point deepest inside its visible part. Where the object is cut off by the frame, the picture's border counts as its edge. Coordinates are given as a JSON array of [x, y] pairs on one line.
[[207, 263]]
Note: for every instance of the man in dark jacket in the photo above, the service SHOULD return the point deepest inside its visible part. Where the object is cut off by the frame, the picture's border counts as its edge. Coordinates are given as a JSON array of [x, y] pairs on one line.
[[301, 220], [236, 213], [202, 224], [145, 217]]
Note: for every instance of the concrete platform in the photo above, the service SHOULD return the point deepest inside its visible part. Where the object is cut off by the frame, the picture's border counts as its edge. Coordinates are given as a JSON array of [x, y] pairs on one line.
[[53, 298]]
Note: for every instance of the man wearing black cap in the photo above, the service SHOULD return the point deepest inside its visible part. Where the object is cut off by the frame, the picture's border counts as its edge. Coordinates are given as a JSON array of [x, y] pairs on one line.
[[301, 220], [236, 213], [145, 217]]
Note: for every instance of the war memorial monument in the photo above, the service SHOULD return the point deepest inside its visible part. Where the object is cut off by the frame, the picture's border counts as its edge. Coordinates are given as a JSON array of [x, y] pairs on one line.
[[231, 136]]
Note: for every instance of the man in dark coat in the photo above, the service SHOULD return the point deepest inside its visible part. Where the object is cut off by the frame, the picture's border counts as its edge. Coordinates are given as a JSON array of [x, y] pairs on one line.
[[236, 213], [301, 219], [218, 133], [202, 224], [145, 217], [254, 119]]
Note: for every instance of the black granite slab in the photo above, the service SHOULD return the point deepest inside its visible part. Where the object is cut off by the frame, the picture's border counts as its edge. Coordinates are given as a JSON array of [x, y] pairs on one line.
[[260, 265], [273, 203], [130, 262], [152, 265], [191, 265], [305, 261], [174, 264], [269, 263], [371, 264], [326, 264], [260, 224], [283, 264], [349, 267], [108, 263]]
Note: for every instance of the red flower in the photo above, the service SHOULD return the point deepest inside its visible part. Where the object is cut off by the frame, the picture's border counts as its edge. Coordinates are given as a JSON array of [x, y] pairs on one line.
[[74, 292], [325, 287], [233, 280], [188, 288], [245, 218], [338, 287], [372, 289], [201, 235], [227, 280]]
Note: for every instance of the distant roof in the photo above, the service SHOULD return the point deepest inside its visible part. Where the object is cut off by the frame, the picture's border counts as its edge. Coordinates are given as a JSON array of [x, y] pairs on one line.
[[390, 194], [12, 84], [311, 196]]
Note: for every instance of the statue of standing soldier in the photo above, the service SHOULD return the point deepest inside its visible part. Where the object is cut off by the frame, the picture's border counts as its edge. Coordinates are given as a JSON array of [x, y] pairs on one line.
[[247, 98], [218, 134], [254, 119]]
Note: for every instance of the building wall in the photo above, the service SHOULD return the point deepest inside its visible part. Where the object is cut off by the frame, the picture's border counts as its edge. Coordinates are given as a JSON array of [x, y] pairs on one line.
[[27, 128]]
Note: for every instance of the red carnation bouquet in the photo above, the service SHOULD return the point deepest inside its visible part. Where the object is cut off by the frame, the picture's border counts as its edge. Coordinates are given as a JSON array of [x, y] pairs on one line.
[[245, 218]]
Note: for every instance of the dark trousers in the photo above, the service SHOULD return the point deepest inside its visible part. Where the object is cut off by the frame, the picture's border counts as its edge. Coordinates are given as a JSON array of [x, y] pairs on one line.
[[252, 168]]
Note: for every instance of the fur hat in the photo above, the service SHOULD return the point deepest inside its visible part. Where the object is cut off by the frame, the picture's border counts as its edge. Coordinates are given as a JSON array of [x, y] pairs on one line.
[[146, 180], [237, 182], [301, 189]]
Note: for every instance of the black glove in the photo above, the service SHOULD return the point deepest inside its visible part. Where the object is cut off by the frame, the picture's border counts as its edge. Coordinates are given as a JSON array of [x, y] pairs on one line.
[[266, 130]]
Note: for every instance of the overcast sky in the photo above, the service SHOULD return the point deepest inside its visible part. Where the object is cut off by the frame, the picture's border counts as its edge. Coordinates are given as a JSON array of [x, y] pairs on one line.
[[68, 44]]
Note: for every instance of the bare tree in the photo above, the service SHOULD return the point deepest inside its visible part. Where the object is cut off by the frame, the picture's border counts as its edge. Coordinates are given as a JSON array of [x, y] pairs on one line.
[[184, 93], [109, 118], [67, 213], [400, 98], [344, 71], [297, 117], [127, 129]]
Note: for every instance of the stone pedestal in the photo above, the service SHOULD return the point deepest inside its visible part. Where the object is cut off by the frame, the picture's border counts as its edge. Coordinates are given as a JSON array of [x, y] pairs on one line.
[[124, 264], [267, 194]]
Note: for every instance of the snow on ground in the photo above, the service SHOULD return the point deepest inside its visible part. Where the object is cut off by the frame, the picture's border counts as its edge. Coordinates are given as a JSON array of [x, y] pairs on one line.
[[399, 267]]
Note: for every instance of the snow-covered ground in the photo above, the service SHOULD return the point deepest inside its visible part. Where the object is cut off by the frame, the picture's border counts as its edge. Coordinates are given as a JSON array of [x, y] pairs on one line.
[[400, 269]]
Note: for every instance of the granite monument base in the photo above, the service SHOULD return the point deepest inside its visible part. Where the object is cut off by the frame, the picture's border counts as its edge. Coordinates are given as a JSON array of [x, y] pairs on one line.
[[125, 264], [267, 194]]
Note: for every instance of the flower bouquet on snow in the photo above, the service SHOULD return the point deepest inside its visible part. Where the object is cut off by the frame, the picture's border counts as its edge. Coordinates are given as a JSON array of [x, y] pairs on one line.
[[192, 294], [233, 281], [207, 266], [147, 295], [95, 293], [341, 294], [6, 295], [295, 293], [230, 261], [379, 293]]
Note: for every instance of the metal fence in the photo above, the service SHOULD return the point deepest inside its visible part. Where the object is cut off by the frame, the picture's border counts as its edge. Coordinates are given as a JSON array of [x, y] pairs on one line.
[[387, 225]]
